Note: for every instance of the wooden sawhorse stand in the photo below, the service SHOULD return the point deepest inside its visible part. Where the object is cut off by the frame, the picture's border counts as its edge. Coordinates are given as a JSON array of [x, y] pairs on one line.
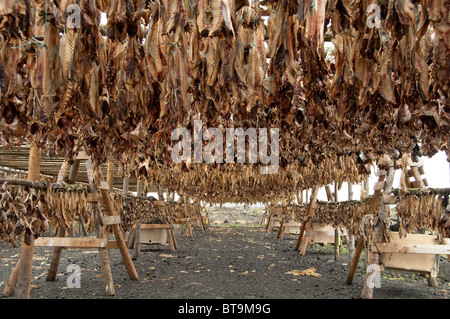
[[19, 282], [153, 233]]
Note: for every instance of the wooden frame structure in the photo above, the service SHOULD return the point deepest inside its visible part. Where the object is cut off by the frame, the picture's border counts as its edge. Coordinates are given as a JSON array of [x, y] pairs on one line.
[[415, 253], [153, 233], [19, 282]]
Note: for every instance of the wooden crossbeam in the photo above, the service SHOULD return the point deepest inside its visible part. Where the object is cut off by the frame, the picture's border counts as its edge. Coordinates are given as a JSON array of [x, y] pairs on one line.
[[156, 226], [411, 248], [111, 220], [67, 242]]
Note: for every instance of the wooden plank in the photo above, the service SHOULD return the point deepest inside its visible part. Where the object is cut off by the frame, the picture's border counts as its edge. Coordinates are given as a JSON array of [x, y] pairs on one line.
[[415, 164], [92, 198], [103, 186], [320, 233], [111, 220], [112, 244], [159, 203], [378, 185], [181, 220], [154, 236], [156, 226], [110, 175], [412, 249], [67, 242], [380, 172], [389, 199]]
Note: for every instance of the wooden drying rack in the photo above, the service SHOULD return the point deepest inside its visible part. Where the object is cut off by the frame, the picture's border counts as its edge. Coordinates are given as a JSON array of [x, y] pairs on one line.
[[141, 231], [400, 252], [19, 282]]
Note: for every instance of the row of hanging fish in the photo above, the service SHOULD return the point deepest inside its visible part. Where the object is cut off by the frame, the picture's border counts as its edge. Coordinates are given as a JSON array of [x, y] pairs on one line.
[[244, 183], [419, 211], [345, 215], [121, 89], [159, 65], [23, 212]]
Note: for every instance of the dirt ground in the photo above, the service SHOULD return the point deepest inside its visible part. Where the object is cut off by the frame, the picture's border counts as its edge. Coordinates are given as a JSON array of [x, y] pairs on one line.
[[219, 263]]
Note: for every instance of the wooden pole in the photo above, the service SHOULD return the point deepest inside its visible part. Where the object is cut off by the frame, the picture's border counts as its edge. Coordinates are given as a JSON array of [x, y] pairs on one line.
[[103, 252], [350, 237], [74, 171], [306, 224], [118, 234], [374, 257], [139, 187], [63, 171], [110, 175], [56, 255], [126, 183], [25, 265], [53, 269], [354, 263], [137, 240], [360, 244], [337, 237]]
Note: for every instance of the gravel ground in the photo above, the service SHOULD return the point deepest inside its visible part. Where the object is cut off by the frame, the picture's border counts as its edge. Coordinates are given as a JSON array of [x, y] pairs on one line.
[[219, 263]]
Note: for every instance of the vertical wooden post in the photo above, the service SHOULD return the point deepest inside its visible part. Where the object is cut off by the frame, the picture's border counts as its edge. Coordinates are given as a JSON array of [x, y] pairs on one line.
[[126, 183], [34, 163], [350, 237], [74, 171], [374, 257], [139, 187], [355, 260], [137, 240], [103, 252], [56, 256], [306, 224], [118, 234], [360, 244], [110, 174], [63, 171], [337, 237], [19, 282], [313, 200], [27, 249]]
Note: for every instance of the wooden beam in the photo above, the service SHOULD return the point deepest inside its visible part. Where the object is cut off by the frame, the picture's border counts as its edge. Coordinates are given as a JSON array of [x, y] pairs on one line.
[[354, 264], [106, 197], [110, 175], [27, 249], [68, 242], [156, 226], [374, 257], [306, 224], [56, 256], [111, 220], [411, 248], [103, 252]]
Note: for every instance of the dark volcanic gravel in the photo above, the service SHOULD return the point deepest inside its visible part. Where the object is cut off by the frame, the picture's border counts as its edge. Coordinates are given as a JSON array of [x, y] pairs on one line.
[[221, 262]]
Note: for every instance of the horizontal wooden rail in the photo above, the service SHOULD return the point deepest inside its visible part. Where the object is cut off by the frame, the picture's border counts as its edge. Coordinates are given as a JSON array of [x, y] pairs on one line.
[[411, 249], [155, 226], [68, 242]]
